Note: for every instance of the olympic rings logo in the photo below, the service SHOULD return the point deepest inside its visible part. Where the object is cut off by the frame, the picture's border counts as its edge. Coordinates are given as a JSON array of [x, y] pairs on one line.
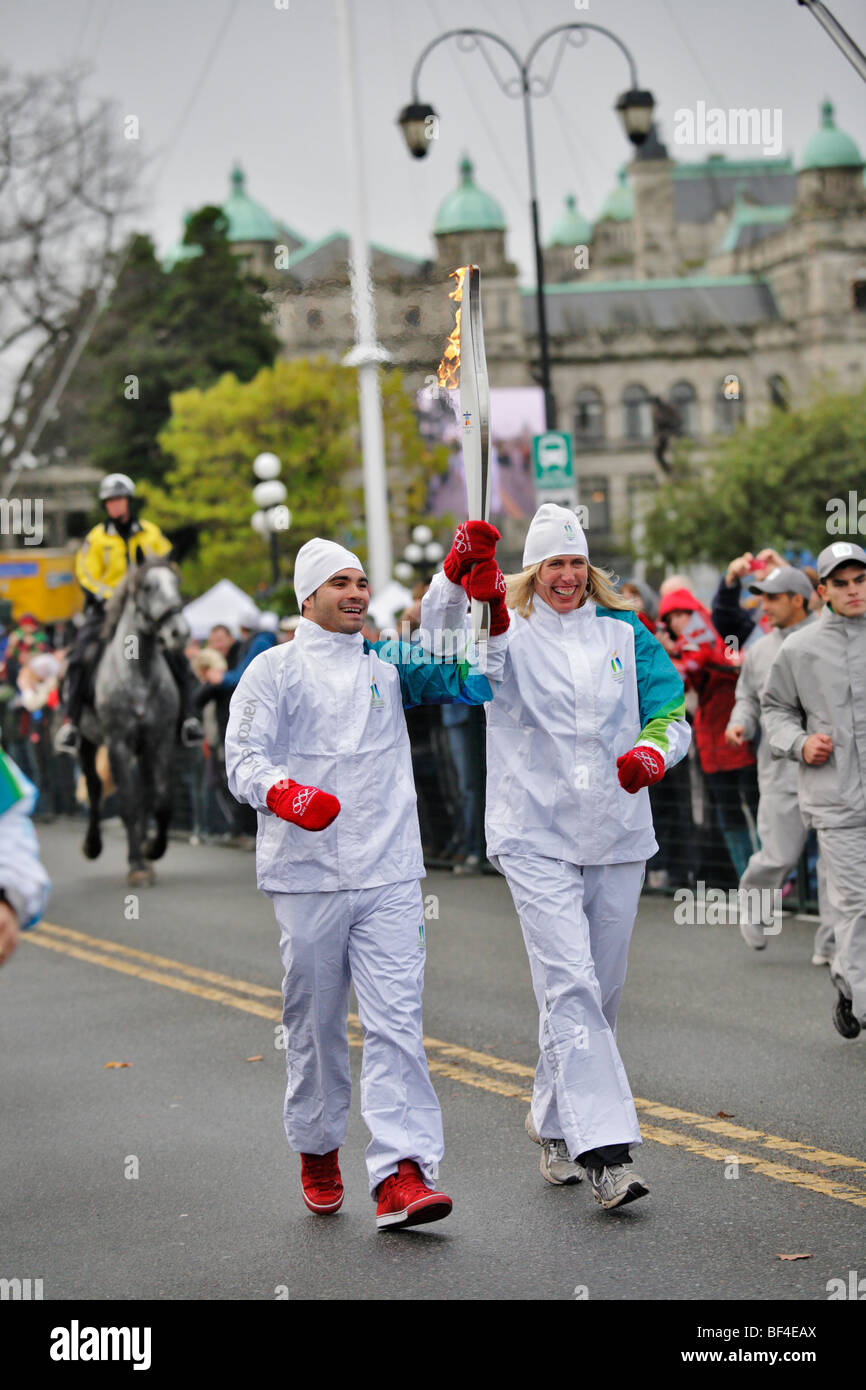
[[302, 800]]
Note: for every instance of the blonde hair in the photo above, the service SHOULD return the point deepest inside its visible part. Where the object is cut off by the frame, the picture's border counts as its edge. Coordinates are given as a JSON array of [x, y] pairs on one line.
[[520, 590], [208, 659]]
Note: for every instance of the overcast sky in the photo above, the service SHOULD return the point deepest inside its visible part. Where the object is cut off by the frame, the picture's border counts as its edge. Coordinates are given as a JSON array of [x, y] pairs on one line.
[[212, 81]]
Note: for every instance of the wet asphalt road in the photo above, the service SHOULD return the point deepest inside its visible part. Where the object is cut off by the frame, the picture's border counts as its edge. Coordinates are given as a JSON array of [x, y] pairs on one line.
[[215, 1213]]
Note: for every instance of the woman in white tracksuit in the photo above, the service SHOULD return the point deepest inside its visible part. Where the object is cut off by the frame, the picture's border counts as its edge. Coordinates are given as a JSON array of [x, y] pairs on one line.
[[588, 711]]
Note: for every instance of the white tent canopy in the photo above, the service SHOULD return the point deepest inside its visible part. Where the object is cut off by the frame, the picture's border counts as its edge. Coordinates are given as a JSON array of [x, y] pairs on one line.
[[224, 603]]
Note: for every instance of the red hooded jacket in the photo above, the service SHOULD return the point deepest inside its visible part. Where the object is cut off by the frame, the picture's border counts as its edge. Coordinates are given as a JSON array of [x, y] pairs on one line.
[[709, 668]]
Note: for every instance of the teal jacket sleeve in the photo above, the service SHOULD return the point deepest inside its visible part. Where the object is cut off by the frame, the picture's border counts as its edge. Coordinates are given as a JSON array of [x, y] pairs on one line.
[[661, 693], [427, 681]]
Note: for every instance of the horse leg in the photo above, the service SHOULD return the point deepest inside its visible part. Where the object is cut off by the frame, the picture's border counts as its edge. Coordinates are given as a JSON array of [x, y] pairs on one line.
[[92, 844], [120, 756], [156, 766]]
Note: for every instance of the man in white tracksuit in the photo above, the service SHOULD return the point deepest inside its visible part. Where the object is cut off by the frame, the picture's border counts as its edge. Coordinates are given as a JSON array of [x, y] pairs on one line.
[[813, 708], [588, 711], [785, 593], [317, 744]]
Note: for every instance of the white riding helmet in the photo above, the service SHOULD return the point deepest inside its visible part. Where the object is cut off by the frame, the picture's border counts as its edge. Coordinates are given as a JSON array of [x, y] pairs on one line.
[[116, 485]]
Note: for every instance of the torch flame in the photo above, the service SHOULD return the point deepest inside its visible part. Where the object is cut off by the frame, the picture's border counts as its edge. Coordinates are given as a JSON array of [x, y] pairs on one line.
[[448, 372]]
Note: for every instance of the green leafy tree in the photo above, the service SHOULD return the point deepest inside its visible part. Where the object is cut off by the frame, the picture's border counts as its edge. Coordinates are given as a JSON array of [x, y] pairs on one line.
[[306, 412], [163, 332], [771, 485]]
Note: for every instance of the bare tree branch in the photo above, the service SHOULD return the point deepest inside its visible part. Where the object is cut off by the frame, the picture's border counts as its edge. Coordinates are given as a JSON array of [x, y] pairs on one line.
[[67, 185]]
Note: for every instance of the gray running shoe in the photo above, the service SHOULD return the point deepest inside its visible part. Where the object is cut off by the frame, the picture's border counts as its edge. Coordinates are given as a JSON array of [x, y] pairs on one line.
[[556, 1166], [616, 1185]]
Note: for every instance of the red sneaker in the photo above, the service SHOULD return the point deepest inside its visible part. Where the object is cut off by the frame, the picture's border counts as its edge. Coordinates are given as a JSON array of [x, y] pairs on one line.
[[406, 1200], [321, 1184]]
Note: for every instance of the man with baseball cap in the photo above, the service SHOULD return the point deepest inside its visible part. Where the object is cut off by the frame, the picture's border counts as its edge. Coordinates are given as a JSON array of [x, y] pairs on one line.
[[317, 744], [784, 593], [814, 711]]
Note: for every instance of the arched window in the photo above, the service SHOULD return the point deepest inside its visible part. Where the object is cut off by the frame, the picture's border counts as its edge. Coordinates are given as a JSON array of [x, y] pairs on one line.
[[780, 391], [412, 316], [636, 413], [730, 404], [314, 318], [685, 401], [588, 418]]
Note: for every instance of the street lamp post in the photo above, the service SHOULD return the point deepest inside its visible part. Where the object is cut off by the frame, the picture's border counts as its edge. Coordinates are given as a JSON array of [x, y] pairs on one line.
[[272, 515], [420, 557], [635, 108]]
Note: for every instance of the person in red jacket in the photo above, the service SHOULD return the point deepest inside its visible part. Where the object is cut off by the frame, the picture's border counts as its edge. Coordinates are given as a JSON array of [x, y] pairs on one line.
[[710, 668]]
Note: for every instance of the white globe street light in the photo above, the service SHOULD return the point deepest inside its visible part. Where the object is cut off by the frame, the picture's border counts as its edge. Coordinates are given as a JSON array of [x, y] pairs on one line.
[[272, 515], [422, 535], [269, 494], [266, 466]]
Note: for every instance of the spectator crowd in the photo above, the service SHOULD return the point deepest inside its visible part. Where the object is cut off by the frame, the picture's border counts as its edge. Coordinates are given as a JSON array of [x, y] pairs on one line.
[[707, 811]]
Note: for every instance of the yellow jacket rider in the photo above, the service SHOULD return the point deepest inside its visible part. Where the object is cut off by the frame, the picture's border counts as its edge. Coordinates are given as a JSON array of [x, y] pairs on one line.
[[108, 551]]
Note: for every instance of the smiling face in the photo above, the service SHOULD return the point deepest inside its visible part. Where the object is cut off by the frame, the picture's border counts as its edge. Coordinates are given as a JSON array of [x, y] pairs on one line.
[[340, 604], [845, 590], [561, 582]]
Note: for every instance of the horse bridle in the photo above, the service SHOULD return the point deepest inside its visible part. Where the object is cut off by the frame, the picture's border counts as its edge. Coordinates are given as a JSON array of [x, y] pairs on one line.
[[148, 619]]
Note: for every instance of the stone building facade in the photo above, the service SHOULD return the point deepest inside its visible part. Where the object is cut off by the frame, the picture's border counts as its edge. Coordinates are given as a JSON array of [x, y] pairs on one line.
[[721, 286]]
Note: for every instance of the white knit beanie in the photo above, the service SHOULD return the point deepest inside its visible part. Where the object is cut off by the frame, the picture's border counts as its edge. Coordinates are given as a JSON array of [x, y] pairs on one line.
[[554, 530], [317, 561]]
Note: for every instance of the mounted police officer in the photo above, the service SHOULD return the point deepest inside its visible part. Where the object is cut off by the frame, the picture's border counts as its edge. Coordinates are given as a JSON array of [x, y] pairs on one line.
[[123, 539]]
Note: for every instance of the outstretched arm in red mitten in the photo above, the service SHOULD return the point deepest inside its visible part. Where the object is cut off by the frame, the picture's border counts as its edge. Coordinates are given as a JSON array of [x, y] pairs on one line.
[[486, 583], [473, 541], [640, 767], [308, 807]]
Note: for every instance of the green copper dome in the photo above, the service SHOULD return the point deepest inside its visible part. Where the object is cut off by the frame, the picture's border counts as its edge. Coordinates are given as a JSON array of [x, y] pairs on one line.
[[619, 205], [830, 148], [468, 209], [572, 229], [248, 221]]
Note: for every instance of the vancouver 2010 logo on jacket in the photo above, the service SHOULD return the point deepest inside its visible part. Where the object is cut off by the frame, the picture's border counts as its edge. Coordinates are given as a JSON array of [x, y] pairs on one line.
[[617, 669]]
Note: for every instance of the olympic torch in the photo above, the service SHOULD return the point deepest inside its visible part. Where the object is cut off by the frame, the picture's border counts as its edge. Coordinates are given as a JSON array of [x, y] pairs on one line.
[[465, 352]]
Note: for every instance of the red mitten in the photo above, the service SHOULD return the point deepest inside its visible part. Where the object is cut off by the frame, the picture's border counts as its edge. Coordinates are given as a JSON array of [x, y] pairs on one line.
[[308, 807], [640, 767], [473, 541], [486, 583]]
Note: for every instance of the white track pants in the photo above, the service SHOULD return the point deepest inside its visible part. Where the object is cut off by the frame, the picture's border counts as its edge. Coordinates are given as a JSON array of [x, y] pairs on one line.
[[783, 838], [844, 855], [372, 938], [577, 925]]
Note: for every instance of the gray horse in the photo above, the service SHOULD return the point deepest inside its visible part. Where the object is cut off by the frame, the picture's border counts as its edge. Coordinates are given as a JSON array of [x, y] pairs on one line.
[[135, 712]]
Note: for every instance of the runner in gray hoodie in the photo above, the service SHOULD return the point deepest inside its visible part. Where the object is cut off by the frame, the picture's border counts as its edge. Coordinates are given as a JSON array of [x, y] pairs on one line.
[[785, 594], [813, 709]]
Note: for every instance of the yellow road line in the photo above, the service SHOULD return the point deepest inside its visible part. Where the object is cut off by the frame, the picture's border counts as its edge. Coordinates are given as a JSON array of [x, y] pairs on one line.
[[129, 961], [213, 976], [780, 1171], [156, 977]]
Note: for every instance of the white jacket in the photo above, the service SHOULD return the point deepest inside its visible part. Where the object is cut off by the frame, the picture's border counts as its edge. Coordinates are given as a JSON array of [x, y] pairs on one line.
[[573, 692], [327, 710]]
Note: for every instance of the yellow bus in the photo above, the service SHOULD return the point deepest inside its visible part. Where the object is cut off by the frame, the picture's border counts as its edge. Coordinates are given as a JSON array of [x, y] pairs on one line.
[[41, 582]]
